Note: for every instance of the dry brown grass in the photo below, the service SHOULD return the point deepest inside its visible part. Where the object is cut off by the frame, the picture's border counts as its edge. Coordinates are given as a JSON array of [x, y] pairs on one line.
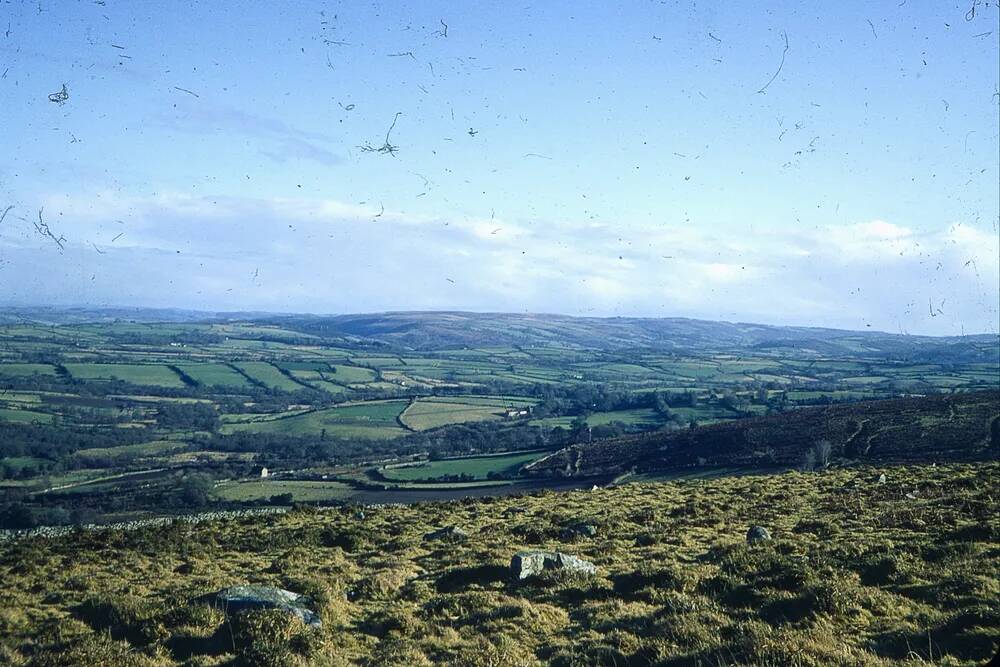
[[857, 573]]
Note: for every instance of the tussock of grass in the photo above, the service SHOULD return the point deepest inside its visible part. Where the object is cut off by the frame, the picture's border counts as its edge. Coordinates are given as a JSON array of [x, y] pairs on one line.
[[856, 573]]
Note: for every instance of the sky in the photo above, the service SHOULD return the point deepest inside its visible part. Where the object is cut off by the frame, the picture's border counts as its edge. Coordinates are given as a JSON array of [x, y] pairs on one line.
[[825, 164]]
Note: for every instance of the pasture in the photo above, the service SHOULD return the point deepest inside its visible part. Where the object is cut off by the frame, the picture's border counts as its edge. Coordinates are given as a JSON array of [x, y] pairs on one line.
[[268, 375], [19, 416], [152, 375], [423, 415], [214, 375], [13, 369], [374, 420], [477, 467]]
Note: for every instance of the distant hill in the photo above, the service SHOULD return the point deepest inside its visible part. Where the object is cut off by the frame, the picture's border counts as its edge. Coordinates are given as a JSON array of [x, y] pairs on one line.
[[441, 330], [97, 314], [939, 428]]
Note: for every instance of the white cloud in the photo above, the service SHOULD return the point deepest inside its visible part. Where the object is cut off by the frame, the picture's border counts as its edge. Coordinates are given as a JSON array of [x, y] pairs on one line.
[[331, 256], [871, 240], [723, 273]]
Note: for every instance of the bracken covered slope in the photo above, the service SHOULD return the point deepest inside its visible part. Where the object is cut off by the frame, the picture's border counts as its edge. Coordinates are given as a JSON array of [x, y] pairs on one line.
[[939, 428], [859, 572]]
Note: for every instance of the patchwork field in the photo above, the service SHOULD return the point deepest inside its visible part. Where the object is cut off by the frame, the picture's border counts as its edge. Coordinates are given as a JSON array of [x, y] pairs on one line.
[[141, 374], [268, 375], [209, 401]]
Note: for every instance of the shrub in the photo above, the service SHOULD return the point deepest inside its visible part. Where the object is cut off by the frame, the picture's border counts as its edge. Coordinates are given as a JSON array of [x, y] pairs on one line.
[[124, 617], [271, 638], [97, 649]]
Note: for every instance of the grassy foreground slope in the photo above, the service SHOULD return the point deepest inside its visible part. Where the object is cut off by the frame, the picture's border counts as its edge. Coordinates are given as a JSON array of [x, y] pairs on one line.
[[859, 572]]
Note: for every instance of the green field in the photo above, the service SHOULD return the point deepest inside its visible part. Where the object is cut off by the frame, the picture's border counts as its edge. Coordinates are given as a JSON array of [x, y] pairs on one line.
[[293, 366], [153, 375], [351, 374], [302, 491], [372, 420], [18, 462], [476, 466], [25, 416], [214, 375], [268, 375], [153, 448], [638, 417], [492, 401], [423, 415], [331, 388], [315, 374], [8, 369], [354, 401]]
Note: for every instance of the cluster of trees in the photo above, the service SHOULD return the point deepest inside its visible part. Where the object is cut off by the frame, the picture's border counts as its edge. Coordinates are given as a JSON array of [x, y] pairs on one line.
[[177, 491], [277, 450], [457, 477], [55, 443], [188, 416], [16, 515]]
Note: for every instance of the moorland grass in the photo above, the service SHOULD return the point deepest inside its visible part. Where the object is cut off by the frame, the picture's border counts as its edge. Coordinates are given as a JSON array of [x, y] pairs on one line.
[[857, 573]]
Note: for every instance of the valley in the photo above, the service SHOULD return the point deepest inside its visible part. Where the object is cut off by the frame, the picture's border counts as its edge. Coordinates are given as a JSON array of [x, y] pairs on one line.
[[114, 418]]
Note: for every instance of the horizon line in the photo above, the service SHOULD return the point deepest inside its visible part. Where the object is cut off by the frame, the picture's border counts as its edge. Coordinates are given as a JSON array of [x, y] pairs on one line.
[[267, 313]]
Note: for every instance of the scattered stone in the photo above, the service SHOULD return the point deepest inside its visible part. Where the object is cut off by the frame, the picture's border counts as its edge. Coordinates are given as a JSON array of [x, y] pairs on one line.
[[137, 524], [757, 534], [579, 530], [527, 564], [447, 534], [237, 599]]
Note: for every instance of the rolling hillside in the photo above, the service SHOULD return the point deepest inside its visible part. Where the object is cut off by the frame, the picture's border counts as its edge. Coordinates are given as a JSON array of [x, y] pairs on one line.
[[438, 330], [856, 573], [942, 428]]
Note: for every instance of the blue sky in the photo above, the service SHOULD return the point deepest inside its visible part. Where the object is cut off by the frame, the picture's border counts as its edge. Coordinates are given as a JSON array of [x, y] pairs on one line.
[[583, 158]]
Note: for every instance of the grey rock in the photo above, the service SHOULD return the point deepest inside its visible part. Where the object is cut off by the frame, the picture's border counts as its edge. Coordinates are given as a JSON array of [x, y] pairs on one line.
[[579, 530], [757, 534], [237, 599], [447, 534], [527, 564], [881, 479]]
